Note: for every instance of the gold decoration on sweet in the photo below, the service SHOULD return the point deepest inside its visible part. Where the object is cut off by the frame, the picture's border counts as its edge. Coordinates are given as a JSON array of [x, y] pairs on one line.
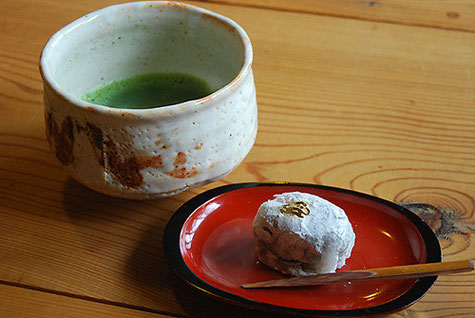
[[299, 208]]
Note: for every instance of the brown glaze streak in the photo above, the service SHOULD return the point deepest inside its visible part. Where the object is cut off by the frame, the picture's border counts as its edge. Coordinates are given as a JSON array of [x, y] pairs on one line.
[[96, 139], [177, 5], [150, 162], [182, 173], [62, 139], [126, 172], [180, 158], [221, 22], [90, 109], [125, 114], [95, 135]]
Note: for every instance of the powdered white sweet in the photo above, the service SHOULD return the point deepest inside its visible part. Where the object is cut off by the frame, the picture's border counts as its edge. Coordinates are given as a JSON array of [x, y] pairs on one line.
[[302, 234]]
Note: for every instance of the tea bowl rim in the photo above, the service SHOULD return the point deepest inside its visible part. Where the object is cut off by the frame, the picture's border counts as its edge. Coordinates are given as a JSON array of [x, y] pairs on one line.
[[146, 113]]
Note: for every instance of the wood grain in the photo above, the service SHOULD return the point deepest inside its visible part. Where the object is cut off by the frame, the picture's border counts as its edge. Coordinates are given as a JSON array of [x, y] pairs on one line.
[[452, 14], [20, 302], [381, 108]]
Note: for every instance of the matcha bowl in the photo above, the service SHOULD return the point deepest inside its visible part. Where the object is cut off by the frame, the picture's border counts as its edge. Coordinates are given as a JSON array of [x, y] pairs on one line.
[[155, 148]]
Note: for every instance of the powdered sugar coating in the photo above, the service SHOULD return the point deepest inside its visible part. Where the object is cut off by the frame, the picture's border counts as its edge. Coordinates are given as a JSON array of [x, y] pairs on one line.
[[319, 242]]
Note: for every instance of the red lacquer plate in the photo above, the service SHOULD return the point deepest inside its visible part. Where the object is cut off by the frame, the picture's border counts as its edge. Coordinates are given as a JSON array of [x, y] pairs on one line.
[[209, 243]]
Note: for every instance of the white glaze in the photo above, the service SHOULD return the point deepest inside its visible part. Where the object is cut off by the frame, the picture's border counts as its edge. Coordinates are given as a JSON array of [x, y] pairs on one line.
[[316, 243], [195, 142]]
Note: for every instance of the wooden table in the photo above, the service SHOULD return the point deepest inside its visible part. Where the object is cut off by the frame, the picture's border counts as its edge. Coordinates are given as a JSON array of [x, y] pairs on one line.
[[374, 96]]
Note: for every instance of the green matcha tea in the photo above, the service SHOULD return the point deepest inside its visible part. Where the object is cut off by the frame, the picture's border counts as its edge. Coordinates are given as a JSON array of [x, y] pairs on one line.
[[149, 91]]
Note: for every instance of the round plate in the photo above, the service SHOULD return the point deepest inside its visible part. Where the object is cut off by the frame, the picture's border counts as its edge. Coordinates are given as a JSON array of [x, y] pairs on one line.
[[209, 243]]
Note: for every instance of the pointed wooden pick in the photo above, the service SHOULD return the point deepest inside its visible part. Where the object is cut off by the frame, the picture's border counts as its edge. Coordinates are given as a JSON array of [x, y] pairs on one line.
[[395, 272]]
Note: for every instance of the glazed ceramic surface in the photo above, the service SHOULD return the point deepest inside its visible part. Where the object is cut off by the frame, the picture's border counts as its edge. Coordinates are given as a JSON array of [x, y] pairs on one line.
[[145, 153]]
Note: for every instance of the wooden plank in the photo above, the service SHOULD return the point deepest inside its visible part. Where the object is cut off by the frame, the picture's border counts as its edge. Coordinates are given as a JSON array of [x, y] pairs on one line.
[[83, 243], [22, 303], [451, 14], [379, 108]]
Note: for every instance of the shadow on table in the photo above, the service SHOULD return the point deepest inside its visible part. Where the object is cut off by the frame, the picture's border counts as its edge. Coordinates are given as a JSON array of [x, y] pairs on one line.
[[147, 266], [82, 203], [134, 228], [151, 283], [197, 304]]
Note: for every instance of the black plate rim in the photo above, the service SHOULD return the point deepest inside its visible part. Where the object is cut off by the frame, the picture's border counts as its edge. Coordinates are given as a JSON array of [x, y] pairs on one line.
[[171, 246]]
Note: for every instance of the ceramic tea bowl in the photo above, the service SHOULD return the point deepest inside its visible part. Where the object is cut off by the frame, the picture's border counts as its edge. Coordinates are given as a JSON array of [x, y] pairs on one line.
[[154, 152]]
